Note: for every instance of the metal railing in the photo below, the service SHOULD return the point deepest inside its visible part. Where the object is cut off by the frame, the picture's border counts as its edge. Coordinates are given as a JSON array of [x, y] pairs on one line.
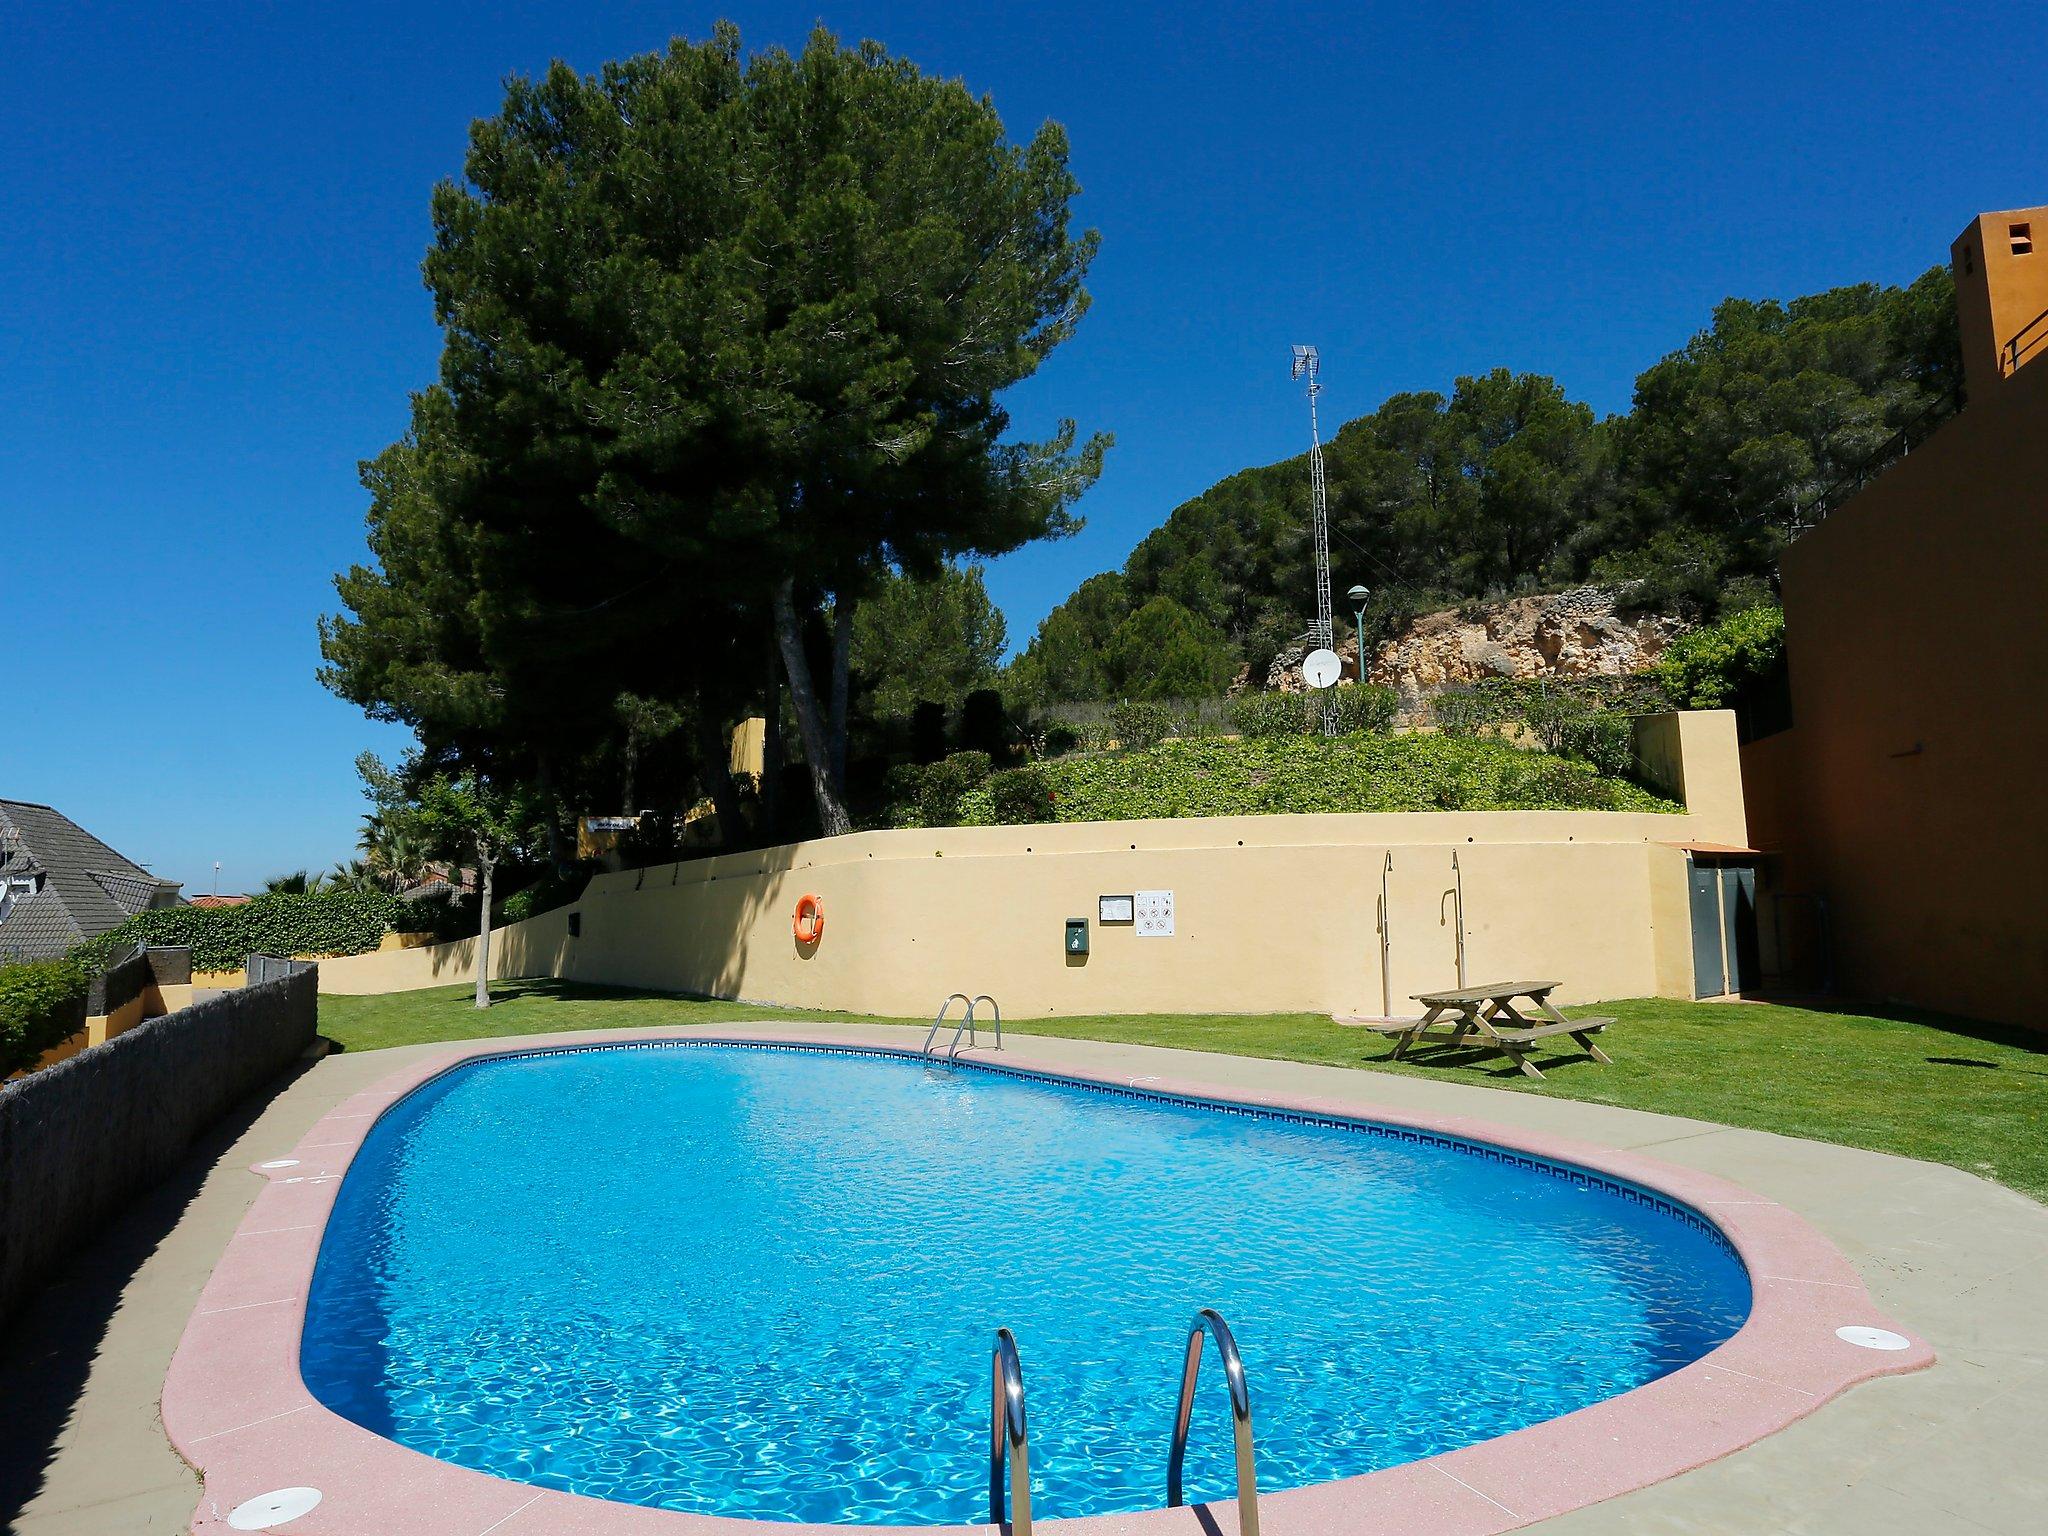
[[2029, 336], [1007, 1438], [1210, 1322], [965, 1026], [940, 1018]]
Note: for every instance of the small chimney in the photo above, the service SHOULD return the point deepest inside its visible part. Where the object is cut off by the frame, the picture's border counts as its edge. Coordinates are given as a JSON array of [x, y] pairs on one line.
[[2001, 269]]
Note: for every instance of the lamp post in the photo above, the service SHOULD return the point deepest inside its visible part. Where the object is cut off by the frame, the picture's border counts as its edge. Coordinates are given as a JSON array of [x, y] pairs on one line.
[[1359, 597]]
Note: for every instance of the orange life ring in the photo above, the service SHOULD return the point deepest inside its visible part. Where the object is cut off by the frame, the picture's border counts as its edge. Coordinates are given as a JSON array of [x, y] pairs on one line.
[[809, 922]]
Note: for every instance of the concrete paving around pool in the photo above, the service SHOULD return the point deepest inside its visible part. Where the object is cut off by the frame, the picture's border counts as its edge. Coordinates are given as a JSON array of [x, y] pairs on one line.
[[1957, 1260]]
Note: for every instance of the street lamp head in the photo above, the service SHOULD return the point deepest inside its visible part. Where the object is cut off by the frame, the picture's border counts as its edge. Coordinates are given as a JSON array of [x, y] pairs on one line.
[[1359, 595]]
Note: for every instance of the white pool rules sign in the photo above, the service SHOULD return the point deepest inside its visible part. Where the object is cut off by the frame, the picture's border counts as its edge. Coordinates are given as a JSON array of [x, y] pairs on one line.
[[1154, 911]]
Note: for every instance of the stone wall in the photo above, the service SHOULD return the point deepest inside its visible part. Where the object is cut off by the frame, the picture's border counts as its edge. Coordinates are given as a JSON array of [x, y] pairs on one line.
[[1562, 634]]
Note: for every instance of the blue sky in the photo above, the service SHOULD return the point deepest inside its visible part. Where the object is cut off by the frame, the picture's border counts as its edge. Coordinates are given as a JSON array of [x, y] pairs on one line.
[[210, 305]]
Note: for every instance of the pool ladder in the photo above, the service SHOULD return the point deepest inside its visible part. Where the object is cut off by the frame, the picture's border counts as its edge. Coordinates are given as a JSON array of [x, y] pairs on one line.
[[965, 1026], [1210, 1321], [1008, 1440]]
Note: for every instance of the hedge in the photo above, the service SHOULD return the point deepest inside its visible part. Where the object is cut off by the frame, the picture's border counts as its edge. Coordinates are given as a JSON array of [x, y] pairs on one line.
[[325, 923], [1359, 707], [42, 1004], [1279, 774]]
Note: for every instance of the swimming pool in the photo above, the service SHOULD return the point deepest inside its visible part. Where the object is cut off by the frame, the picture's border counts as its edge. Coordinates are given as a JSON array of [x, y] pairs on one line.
[[763, 1282]]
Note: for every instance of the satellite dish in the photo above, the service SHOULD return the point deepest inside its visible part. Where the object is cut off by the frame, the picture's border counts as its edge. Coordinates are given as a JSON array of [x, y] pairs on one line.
[[1321, 668]]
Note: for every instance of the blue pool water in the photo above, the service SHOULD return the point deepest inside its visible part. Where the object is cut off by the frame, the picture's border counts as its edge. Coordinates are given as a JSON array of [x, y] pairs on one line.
[[765, 1283]]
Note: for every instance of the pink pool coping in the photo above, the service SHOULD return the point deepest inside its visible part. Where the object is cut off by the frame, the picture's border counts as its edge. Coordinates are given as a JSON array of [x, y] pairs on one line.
[[234, 1404]]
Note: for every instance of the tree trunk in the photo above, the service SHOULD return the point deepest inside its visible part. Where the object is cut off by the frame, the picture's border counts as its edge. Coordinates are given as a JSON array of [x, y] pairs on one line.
[[842, 667], [486, 861], [771, 746], [716, 755], [558, 855], [810, 720]]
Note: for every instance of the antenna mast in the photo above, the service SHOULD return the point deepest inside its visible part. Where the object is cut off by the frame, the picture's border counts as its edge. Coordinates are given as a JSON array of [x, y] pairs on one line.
[[1324, 635]]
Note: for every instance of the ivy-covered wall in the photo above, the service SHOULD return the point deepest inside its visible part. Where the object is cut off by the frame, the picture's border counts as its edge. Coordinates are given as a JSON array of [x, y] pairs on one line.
[[325, 923]]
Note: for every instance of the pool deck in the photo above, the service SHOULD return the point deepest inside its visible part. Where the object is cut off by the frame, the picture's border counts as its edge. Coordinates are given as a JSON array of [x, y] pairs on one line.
[[1948, 1257]]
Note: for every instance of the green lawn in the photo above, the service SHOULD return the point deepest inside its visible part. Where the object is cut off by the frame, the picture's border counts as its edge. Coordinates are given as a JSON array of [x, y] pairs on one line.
[[1942, 1089]]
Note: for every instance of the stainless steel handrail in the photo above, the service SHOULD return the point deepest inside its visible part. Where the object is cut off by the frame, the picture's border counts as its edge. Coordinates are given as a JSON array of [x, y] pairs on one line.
[[1006, 1434], [940, 1018], [978, 1000], [1209, 1321]]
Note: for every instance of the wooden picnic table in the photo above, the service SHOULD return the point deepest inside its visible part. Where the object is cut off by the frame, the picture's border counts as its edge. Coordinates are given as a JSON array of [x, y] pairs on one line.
[[1489, 1014]]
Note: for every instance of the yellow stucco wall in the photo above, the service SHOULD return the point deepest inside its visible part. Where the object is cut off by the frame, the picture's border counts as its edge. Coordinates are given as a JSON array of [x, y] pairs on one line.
[[1271, 912], [102, 1027], [536, 947]]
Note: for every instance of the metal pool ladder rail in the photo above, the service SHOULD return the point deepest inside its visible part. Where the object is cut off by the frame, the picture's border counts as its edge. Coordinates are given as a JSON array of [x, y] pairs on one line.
[[1006, 1434], [1209, 1321], [966, 1024]]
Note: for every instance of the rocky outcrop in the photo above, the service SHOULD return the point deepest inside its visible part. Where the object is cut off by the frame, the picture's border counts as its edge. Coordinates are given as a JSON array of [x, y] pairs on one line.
[[1562, 634]]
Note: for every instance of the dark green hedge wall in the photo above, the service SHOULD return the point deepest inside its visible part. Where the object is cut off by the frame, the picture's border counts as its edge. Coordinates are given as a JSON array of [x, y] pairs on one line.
[[326, 923]]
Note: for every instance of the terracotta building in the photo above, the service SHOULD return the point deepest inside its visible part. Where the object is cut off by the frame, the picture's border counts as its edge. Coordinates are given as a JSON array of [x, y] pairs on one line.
[[1906, 809]]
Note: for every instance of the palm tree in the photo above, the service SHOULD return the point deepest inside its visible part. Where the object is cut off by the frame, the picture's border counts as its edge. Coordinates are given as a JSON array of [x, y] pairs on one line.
[[297, 883], [393, 855], [356, 875]]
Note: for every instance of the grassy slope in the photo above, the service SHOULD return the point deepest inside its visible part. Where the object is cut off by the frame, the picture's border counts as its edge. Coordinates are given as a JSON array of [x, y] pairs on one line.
[[1921, 1086]]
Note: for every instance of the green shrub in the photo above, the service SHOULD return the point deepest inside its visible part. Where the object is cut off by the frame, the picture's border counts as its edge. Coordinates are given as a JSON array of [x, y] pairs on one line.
[[447, 915], [902, 790], [1360, 707], [1461, 712], [928, 794], [1568, 785], [1137, 724], [1261, 716], [544, 895], [1363, 708], [1569, 725], [1584, 717], [1059, 739], [41, 1005], [325, 923], [1709, 667], [1018, 797]]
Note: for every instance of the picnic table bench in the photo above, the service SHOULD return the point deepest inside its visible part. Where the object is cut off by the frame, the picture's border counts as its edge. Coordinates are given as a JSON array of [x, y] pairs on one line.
[[1489, 1014]]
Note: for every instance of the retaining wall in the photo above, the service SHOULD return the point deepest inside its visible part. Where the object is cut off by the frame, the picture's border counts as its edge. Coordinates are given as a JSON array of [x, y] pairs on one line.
[[1271, 913]]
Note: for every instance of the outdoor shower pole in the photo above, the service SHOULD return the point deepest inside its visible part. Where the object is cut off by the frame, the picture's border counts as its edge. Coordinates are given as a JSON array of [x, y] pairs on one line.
[[1386, 917]]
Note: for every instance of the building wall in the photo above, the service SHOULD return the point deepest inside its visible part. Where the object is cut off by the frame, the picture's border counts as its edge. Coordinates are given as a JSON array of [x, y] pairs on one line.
[[1272, 913], [2001, 269], [1918, 652]]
